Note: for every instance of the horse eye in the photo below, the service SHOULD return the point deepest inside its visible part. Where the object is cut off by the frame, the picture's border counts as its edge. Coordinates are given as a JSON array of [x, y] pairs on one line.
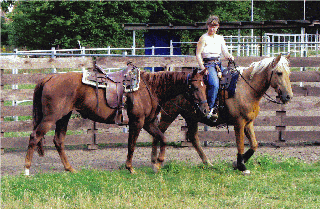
[[279, 73]]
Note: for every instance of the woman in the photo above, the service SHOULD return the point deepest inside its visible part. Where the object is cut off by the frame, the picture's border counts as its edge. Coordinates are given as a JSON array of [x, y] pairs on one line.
[[209, 49]]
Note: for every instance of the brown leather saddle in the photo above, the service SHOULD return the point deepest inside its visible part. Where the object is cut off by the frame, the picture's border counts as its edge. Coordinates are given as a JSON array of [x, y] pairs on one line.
[[118, 85], [228, 83]]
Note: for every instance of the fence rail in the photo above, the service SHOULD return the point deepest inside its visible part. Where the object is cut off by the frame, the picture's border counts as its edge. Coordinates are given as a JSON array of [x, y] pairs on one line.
[[141, 61], [296, 122], [270, 44]]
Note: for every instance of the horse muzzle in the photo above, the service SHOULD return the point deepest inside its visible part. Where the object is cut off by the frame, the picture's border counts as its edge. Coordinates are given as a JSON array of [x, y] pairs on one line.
[[285, 97], [202, 108]]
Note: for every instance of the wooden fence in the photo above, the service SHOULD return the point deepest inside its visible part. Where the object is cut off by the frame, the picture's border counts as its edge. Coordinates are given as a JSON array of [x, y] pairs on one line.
[[299, 121]]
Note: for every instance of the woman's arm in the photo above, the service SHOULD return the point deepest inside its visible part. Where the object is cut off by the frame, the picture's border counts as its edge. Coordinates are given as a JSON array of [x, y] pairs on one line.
[[200, 47], [224, 50]]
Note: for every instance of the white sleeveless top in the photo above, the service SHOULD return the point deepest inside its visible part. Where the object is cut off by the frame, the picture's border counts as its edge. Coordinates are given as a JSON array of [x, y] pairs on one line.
[[214, 46]]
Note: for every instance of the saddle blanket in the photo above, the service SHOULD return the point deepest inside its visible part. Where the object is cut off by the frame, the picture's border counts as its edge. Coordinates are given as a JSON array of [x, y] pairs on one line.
[[129, 79], [86, 74]]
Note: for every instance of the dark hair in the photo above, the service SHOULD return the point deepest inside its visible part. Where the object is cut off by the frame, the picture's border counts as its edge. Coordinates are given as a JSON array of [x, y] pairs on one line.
[[213, 19]]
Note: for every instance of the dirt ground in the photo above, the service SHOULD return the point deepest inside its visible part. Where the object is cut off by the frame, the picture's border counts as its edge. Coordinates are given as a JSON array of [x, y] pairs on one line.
[[12, 163]]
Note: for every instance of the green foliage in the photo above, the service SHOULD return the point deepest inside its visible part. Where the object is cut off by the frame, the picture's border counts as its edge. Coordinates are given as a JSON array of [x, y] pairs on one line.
[[274, 183], [46, 24]]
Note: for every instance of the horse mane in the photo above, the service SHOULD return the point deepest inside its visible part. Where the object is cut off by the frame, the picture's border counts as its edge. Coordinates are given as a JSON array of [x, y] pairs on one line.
[[165, 79], [259, 67]]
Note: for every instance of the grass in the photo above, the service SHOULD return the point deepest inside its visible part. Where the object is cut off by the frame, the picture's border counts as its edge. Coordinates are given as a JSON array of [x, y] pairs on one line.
[[273, 183]]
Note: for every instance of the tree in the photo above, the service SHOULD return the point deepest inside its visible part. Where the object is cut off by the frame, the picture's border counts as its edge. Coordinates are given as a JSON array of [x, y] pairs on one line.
[[44, 24]]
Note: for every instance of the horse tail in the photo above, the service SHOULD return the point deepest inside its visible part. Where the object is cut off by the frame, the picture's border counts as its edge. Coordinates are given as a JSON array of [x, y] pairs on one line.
[[37, 109]]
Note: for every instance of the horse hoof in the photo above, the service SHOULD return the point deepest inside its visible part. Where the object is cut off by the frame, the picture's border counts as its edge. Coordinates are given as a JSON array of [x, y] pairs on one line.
[[209, 164], [234, 165], [132, 171], [156, 167], [73, 171], [26, 172], [246, 172]]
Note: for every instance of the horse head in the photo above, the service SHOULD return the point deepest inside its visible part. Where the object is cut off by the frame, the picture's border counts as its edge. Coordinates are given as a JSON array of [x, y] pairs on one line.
[[279, 78], [197, 91]]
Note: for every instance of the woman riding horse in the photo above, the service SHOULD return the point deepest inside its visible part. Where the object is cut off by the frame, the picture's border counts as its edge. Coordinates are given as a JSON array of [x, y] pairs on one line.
[[209, 48], [240, 110]]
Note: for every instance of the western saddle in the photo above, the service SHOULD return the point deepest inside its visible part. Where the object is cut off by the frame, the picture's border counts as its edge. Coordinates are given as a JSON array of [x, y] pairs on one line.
[[118, 85]]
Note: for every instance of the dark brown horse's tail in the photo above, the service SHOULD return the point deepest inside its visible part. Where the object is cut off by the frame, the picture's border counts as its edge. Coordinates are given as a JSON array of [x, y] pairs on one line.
[[37, 109]]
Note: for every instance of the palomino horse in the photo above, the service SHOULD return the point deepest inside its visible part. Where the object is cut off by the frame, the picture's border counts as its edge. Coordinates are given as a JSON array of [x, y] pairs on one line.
[[241, 110], [56, 96]]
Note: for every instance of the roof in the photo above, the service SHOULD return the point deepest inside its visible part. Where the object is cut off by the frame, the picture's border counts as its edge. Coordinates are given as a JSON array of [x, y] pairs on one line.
[[269, 24]]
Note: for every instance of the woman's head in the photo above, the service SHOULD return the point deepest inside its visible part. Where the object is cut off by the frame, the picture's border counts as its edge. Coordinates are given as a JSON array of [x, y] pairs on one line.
[[213, 20], [213, 24]]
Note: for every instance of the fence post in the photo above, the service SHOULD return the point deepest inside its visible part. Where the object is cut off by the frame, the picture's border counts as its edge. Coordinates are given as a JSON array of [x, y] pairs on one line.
[[93, 132], [53, 55], [1, 104], [317, 41], [153, 52], [239, 44], [171, 47], [134, 43], [15, 86], [83, 52], [281, 127]]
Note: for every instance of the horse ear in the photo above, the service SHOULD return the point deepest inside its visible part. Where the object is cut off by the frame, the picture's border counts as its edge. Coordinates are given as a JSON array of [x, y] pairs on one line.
[[276, 60]]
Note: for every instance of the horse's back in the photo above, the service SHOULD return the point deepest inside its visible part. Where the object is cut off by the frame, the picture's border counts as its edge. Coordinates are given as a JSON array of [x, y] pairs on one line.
[[60, 92]]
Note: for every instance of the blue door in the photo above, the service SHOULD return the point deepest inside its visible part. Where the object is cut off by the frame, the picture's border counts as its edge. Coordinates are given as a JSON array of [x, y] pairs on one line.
[[161, 38]]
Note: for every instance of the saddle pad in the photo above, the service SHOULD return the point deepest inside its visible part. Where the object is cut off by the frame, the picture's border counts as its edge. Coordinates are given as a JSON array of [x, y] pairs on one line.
[[86, 74]]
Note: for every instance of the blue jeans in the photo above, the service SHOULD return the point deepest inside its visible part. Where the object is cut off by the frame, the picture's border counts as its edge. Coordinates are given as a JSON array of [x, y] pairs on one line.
[[213, 82]]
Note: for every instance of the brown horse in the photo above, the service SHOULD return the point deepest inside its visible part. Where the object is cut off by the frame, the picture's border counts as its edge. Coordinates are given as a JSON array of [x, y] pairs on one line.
[[56, 96], [241, 110]]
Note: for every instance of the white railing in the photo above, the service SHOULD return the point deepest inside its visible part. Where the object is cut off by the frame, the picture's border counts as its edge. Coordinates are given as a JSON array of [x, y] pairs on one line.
[[297, 44], [268, 45]]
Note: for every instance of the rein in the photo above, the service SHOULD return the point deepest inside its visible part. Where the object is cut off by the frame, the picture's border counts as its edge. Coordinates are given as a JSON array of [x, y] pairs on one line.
[[265, 95]]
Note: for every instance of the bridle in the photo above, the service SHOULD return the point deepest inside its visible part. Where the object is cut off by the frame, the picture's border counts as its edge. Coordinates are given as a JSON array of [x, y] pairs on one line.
[[190, 93], [265, 95]]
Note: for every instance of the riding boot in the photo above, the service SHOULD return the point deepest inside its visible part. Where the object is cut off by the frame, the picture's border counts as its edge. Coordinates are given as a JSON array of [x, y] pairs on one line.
[[213, 115]]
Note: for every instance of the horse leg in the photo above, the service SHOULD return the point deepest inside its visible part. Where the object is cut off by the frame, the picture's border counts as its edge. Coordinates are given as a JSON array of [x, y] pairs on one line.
[[153, 129], [239, 132], [154, 152], [58, 140], [35, 138], [134, 131], [249, 132], [192, 134]]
